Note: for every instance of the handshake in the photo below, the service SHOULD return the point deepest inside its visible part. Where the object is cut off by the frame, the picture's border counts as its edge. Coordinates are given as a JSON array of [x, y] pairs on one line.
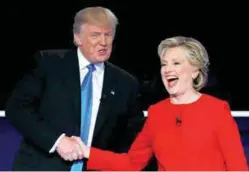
[[72, 148]]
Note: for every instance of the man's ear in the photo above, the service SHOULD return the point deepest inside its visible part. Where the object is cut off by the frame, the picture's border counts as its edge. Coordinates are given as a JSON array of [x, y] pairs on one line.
[[77, 39]]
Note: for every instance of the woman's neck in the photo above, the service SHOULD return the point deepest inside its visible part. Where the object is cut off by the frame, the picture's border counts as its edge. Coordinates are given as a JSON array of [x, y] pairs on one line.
[[186, 98]]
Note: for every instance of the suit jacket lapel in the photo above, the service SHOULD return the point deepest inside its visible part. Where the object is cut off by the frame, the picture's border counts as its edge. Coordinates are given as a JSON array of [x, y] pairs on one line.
[[105, 102], [72, 81]]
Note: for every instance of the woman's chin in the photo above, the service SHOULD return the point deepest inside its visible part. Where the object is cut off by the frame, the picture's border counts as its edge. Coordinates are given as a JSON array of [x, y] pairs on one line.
[[172, 92]]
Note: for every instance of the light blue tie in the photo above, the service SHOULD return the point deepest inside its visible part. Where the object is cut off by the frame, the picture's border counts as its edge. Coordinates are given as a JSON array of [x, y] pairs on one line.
[[86, 111]]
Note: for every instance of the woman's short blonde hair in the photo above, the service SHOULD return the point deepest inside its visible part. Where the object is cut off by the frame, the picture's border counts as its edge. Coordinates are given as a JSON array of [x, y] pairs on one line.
[[196, 55]]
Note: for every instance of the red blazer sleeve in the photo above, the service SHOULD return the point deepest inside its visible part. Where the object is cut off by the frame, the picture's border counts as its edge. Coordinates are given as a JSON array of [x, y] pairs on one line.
[[230, 141], [136, 158]]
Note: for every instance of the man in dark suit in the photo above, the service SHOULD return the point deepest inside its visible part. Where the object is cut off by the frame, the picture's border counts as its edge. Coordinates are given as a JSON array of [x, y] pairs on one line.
[[45, 107]]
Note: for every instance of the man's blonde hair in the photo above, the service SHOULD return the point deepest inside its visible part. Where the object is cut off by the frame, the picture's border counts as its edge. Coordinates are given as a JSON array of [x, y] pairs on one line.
[[99, 16], [196, 55]]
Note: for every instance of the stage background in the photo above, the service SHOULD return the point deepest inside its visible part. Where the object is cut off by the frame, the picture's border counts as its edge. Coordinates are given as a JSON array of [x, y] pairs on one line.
[[27, 27]]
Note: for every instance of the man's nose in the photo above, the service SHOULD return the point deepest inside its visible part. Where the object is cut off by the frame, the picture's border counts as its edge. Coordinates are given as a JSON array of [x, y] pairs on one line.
[[103, 41]]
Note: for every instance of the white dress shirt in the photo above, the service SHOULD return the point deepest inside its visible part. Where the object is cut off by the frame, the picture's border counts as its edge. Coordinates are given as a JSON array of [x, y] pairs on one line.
[[98, 77]]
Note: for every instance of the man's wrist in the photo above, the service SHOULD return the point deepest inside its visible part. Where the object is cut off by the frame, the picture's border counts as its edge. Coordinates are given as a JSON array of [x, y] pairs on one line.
[[56, 143]]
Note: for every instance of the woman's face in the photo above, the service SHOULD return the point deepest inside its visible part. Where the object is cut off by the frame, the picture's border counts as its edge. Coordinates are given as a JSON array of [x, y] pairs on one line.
[[176, 71]]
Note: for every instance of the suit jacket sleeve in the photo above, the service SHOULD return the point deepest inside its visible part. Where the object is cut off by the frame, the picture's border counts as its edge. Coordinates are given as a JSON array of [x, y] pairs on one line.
[[22, 108], [137, 157], [230, 141]]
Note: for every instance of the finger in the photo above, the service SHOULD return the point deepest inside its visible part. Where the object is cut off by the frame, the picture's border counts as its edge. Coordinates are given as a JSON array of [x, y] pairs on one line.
[[66, 158], [70, 157], [74, 155], [63, 155], [76, 147], [83, 147], [79, 151], [81, 144], [75, 137], [78, 139]]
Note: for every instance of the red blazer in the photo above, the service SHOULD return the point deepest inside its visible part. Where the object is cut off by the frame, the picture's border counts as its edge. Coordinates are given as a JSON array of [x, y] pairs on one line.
[[206, 138]]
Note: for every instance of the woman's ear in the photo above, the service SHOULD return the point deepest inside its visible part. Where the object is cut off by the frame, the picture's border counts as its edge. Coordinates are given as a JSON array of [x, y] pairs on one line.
[[195, 74]]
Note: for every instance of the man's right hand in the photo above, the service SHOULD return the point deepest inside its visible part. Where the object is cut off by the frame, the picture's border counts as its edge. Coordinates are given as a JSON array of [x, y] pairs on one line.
[[69, 149]]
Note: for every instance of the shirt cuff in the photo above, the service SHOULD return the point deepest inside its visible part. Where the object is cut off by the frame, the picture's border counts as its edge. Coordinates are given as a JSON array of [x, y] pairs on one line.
[[56, 143]]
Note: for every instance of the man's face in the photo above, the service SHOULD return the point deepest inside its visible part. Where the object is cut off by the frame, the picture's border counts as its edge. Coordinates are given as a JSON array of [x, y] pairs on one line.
[[95, 42]]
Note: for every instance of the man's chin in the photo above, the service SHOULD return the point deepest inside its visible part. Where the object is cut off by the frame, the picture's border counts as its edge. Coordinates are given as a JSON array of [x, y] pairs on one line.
[[102, 58]]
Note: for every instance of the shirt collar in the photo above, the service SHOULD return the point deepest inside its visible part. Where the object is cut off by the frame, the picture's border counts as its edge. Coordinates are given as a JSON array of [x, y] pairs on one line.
[[83, 62]]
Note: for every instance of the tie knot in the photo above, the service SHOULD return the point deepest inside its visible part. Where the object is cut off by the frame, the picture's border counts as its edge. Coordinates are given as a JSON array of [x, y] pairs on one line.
[[91, 67]]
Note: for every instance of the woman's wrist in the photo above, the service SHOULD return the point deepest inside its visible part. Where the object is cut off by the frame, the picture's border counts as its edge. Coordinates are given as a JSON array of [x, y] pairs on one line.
[[87, 152]]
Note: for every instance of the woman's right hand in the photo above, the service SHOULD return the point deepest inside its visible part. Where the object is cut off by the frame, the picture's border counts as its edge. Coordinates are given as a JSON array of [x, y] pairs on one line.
[[86, 150]]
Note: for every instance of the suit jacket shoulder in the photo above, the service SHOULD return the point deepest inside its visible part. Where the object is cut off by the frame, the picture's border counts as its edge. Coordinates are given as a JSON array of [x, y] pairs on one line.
[[53, 54], [49, 60], [122, 75]]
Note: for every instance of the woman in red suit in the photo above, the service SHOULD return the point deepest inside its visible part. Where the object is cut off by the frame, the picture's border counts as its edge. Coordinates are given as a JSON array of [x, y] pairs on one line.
[[187, 131]]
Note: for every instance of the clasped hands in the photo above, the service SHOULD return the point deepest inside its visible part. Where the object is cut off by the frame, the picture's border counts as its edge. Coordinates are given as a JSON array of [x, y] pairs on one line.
[[72, 148]]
